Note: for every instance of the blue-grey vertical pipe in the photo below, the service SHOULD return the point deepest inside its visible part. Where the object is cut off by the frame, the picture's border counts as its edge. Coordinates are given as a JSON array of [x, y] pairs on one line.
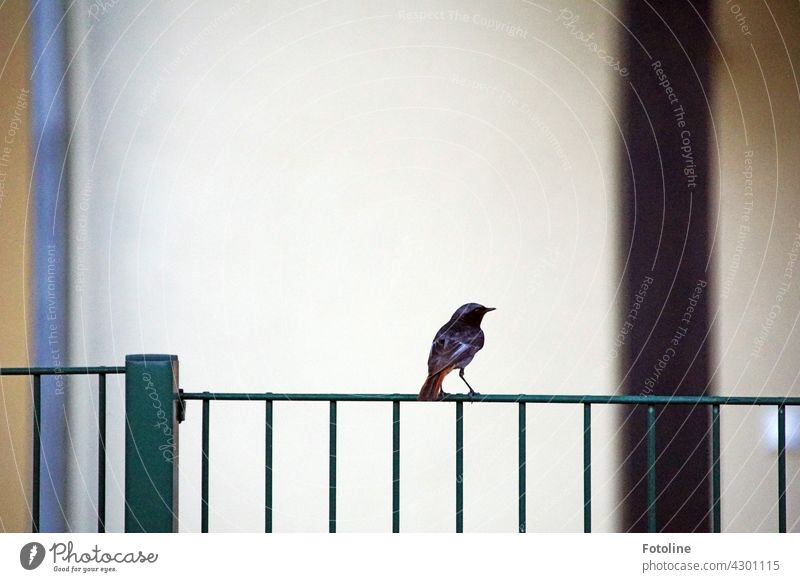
[[49, 219]]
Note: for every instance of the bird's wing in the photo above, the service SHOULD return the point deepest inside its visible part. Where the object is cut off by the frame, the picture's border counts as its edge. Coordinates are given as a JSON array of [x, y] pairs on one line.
[[445, 352]]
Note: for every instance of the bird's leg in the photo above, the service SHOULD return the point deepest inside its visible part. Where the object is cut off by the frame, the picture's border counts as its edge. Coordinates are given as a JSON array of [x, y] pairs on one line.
[[472, 392]]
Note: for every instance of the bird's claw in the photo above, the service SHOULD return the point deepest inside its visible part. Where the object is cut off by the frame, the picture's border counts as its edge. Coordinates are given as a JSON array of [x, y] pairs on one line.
[[472, 394], [443, 395]]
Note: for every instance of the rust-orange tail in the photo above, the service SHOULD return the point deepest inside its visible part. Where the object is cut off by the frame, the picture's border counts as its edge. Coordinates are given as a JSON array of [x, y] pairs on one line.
[[432, 388]]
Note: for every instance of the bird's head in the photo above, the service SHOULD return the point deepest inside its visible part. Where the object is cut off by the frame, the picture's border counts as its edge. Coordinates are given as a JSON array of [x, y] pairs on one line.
[[471, 312]]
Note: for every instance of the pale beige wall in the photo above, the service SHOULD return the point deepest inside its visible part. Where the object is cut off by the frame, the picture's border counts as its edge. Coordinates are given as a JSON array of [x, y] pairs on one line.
[[757, 110], [15, 411], [296, 198]]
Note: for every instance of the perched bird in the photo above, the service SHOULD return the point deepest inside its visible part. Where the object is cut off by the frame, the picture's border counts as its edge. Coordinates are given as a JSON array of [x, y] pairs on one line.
[[454, 346]]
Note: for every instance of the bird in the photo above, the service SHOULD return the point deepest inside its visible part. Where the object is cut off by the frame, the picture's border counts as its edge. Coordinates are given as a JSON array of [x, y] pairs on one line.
[[454, 346]]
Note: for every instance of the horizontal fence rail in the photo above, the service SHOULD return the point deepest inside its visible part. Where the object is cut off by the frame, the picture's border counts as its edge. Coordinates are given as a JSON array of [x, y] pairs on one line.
[[507, 398], [36, 373], [651, 402]]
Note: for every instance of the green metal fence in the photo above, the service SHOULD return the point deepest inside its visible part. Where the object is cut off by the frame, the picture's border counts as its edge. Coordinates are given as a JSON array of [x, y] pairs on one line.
[[155, 406], [151, 487], [35, 374]]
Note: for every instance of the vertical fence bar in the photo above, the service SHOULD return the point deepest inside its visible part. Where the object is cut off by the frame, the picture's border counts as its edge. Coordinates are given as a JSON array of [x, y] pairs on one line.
[[459, 467], [101, 453], [151, 443], [332, 471], [651, 469], [522, 468], [268, 468], [37, 452], [204, 466], [587, 467], [396, 467], [716, 484], [782, 468]]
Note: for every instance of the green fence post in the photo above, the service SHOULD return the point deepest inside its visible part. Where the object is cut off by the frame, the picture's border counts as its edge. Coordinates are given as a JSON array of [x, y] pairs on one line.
[[151, 443]]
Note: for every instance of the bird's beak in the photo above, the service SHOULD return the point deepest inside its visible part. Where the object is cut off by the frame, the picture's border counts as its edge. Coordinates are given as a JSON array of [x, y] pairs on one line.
[[488, 309]]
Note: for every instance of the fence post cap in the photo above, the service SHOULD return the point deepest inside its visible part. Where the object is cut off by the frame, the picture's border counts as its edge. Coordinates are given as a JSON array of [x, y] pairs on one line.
[[150, 357]]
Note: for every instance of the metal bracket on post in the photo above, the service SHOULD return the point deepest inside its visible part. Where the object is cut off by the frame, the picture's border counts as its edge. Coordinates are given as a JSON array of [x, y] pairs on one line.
[[152, 412], [180, 406]]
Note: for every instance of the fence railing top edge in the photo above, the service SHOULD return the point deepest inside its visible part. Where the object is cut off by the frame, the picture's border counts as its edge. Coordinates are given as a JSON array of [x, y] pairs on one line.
[[497, 398], [70, 370]]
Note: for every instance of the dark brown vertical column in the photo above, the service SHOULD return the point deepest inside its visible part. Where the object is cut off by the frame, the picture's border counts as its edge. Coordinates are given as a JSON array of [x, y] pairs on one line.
[[666, 256]]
